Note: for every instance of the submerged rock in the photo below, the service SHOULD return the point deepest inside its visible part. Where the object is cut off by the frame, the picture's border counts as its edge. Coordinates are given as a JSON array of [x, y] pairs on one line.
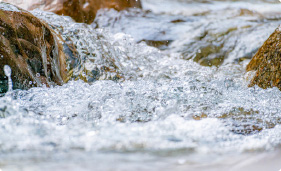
[[80, 10], [32, 50], [267, 63]]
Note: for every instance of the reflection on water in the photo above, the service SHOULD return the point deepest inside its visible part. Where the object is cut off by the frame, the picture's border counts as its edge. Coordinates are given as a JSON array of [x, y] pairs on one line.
[[168, 111]]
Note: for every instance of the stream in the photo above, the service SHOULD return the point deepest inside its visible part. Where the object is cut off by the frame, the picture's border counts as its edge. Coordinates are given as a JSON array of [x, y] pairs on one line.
[[184, 102]]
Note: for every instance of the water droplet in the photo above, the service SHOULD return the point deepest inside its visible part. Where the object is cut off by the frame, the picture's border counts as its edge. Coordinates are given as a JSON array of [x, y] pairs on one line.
[[181, 161], [7, 70], [8, 73]]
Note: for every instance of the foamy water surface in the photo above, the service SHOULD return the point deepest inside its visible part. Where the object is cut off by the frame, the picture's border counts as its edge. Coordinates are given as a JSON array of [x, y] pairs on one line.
[[168, 112]]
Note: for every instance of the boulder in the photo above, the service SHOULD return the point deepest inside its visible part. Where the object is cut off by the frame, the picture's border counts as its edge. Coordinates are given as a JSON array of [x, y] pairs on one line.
[[34, 52], [267, 63], [80, 10]]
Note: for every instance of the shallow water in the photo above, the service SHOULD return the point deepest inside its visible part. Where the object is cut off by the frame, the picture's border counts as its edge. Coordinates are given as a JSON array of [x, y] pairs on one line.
[[168, 112]]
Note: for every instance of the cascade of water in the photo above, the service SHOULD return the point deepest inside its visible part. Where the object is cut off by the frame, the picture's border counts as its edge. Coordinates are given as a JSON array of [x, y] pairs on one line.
[[167, 108]]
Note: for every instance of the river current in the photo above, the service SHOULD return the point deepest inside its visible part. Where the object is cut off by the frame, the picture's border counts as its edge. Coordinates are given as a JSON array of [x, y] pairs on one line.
[[183, 104]]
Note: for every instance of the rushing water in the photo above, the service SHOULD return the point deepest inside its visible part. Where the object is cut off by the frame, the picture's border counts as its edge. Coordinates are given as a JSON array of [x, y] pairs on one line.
[[183, 104]]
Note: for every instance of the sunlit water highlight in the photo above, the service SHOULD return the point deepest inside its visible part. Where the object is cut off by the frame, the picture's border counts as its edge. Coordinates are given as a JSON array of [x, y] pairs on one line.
[[167, 111]]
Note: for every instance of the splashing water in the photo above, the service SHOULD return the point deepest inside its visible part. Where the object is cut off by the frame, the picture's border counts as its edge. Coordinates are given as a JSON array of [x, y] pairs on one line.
[[167, 112], [8, 73]]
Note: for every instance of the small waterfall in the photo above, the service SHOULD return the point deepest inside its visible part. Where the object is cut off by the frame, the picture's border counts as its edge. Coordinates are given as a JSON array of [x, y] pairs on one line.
[[166, 110]]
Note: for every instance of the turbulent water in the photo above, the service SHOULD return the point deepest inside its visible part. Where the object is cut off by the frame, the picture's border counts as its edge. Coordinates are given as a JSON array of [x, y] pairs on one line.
[[183, 104]]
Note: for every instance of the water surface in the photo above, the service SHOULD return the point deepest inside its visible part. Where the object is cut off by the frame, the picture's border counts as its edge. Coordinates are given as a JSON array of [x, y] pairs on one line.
[[183, 102]]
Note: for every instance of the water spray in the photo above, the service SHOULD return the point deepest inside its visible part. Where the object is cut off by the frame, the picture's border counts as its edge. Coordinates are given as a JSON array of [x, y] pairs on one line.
[[8, 73]]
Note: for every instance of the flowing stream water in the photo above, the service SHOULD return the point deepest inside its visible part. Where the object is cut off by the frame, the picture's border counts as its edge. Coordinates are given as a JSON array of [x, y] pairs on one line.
[[183, 104]]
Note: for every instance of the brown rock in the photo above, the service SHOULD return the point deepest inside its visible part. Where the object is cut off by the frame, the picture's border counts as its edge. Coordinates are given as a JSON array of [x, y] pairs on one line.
[[267, 63], [80, 10], [31, 49]]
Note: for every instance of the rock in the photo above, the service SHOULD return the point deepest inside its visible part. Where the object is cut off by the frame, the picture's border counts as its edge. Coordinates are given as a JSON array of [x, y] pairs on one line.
[[80, 10], [92, 53], [34, 52], [267, 63]]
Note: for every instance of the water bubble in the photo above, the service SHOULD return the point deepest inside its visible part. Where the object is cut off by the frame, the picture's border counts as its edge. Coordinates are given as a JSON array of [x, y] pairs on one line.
[[7, 70], [37, 75], [181, 161], [8, 73]]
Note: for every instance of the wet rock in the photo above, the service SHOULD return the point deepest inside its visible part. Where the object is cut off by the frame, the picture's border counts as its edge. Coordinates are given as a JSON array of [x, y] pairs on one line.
[[245, 121], [92, 53], [80, 10], [267, 64], [162, 45], [32, 50]]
